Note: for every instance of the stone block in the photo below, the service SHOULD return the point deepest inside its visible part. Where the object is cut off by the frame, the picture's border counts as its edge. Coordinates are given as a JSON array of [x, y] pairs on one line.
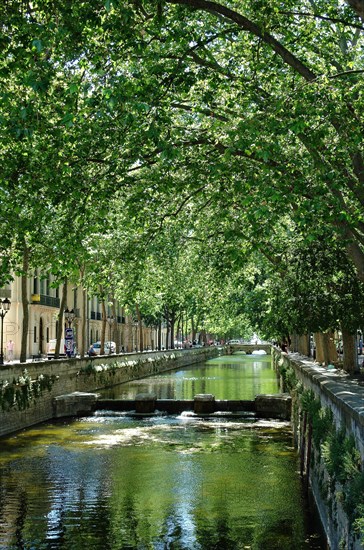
[[145, 403], [204, 403], [73, 404], [275, 406]]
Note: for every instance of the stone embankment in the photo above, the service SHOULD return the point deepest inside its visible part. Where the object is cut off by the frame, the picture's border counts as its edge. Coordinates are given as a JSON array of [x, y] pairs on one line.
[[328, 423]]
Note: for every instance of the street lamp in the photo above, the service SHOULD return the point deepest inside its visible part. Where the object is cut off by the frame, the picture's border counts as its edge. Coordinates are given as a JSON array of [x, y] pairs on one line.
[[4, 308], [70, 316], [110, 320], [69, 336]]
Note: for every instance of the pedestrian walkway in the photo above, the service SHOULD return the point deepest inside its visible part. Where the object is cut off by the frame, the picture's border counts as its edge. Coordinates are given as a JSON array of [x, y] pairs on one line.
[[336, 382]]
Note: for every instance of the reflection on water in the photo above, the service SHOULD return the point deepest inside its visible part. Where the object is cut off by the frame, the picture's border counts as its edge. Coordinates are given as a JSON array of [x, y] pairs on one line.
[[227, 377], [112, 481], [162, 482]]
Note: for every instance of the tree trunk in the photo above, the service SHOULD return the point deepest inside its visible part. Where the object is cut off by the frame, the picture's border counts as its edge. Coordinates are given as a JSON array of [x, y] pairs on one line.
[[358, 6], [319, 341], [178, 328], [325, 347], [25, 302], [294, 342], [83, 324], [115, 332], [60, 327], [193, 328], [103, 328], [304, 344], [331, 348], [350, 358], [159, 345], [173, 321], [166, 316], [122, 331], [140, 326]]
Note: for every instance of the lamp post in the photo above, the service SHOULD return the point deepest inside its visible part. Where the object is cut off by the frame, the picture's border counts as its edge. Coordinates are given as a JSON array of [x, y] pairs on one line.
[[4, 308], [134, 339], [70, 316], [69, 339], [110, 320]]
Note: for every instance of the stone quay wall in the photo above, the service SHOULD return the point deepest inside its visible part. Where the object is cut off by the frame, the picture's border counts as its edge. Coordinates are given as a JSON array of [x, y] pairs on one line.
[[66, 376], [342, 402]]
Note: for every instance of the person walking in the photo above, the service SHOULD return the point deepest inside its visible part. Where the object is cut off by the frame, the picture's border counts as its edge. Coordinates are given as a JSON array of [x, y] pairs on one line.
[[10, 350]]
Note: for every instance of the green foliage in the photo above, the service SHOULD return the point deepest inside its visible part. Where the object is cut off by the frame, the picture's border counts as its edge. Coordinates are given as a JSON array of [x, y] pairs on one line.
[[310, 404], [343, 462], [23, 390], [195, 148], [289, 378], [322, 425], [359, 521], [341, 457], [354, 500]]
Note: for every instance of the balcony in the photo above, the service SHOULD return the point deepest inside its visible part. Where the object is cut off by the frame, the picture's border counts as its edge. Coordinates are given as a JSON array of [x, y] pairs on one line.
[[96, 315], [44, 300]]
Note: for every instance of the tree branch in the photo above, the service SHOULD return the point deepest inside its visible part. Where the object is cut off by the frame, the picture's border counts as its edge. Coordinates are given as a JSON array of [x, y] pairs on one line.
[[246, 24]]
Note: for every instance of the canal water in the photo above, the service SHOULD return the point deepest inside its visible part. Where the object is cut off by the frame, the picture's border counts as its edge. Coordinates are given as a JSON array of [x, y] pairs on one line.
[[235, 376], [114, 481]]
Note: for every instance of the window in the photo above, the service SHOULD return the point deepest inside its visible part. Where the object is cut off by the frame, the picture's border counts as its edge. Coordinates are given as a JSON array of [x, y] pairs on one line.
[[35, 335]]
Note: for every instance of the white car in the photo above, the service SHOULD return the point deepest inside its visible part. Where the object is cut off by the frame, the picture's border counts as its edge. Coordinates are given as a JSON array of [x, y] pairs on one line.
[[97, 347], [51, 348], [234, 342]]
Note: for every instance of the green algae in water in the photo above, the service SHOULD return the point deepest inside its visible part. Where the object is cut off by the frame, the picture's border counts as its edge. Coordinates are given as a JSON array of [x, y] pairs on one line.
[[164, 482], [225, 377]]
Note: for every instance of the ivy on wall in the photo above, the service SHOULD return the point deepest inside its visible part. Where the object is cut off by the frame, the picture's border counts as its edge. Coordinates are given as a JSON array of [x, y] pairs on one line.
[[24, 390], [337, 450], [131, 367]]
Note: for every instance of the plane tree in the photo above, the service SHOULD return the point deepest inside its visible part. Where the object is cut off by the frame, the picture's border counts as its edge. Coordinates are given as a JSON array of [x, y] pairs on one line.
[[269, 98], [235, 113], [244, 99]]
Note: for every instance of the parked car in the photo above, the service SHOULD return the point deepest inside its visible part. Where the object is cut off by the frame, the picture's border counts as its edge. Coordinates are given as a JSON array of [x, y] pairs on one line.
[[97, 347], [51, 348], [234, 342]]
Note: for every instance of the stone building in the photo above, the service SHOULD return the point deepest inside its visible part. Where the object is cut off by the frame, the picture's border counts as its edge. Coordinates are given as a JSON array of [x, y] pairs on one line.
[[44, 304]]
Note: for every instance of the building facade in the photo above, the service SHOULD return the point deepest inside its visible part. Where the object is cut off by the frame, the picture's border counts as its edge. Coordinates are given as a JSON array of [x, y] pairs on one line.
[[44, 299]]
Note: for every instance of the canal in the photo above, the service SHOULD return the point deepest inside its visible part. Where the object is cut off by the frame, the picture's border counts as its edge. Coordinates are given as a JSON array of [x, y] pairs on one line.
[[114, 481]]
